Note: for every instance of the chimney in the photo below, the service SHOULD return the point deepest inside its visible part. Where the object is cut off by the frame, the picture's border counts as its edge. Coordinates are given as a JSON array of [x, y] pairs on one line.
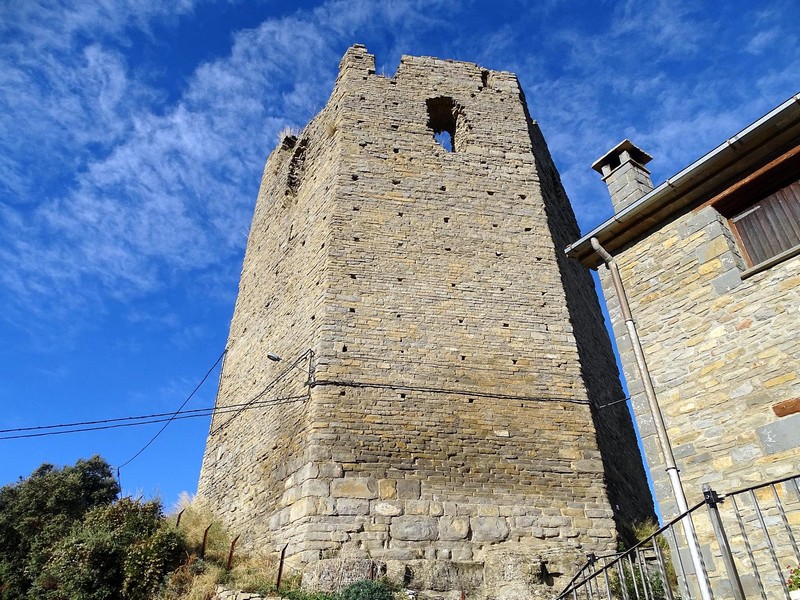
[[623, 170]]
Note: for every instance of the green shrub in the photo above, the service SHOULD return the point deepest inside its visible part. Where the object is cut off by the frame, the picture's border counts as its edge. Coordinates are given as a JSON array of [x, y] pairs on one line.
[[37, 512], [298, 594], [360, 590], [633, 582], [369, 590], [124, 550]]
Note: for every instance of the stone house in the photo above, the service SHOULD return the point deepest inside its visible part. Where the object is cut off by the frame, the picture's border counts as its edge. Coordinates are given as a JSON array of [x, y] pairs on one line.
[[710, 261], [435, 408]]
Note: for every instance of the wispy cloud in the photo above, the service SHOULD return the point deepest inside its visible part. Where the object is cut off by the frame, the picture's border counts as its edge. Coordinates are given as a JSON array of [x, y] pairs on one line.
[[149, 192], [110, 190]]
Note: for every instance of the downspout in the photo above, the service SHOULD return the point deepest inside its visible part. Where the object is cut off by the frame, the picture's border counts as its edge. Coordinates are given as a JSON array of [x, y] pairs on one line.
[[658, 419]]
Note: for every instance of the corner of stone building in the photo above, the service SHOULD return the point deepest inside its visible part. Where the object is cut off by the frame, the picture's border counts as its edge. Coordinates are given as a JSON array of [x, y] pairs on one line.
[[356, 63], [626, 480]]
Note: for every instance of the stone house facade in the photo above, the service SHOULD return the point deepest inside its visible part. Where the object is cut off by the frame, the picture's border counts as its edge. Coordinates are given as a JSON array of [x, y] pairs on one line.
[[434, 408], [710, 261]]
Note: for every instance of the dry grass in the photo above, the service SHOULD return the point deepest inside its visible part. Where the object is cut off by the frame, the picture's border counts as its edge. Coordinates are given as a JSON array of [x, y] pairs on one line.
[[195, 580], [193, 522], [288, 132], [253, 574]]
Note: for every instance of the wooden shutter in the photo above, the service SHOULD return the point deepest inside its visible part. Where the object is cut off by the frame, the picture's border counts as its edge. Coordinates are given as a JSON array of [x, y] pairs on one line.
[[770, 226]]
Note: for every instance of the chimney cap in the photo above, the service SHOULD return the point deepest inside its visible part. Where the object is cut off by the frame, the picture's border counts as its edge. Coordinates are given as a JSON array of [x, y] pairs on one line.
[[612, 157]]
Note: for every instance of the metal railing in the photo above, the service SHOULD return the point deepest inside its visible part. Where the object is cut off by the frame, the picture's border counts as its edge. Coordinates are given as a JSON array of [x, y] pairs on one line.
[[748, 540]]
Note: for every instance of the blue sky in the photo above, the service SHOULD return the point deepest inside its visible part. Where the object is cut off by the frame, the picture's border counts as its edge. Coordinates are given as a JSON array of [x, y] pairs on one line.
[[133, 134]]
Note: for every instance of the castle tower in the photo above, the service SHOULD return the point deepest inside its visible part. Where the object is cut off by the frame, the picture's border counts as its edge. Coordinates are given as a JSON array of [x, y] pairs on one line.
[[440, 355]]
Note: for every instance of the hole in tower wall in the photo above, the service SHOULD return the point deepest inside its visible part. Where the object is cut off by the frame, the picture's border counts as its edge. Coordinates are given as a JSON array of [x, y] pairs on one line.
[[443, 119], [297, 167], [445, 139]]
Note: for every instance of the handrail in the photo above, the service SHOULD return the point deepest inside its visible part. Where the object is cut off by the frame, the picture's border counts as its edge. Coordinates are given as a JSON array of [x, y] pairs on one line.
[[760, 485], [571, 587], [580, 579]]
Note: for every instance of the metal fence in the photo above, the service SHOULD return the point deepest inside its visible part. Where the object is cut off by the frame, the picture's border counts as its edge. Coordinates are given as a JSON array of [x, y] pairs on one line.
[[748, 541]]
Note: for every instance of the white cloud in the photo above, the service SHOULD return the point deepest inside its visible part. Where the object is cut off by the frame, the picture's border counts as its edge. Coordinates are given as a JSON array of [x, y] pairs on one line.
[[761, 41], [108, 189], [150, 192]]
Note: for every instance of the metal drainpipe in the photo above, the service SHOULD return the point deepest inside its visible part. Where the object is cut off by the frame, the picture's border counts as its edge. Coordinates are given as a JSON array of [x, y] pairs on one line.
[[658, 419]]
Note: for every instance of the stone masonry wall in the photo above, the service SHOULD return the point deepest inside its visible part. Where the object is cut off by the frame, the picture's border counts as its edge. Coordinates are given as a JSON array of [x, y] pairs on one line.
[[447, 421], [722, 351]]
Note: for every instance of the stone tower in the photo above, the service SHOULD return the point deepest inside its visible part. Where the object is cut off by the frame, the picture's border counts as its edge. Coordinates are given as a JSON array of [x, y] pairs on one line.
[[433, 408]]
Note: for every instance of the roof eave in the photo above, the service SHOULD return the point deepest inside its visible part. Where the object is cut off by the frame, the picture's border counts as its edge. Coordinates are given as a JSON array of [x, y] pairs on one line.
[[736, 155]]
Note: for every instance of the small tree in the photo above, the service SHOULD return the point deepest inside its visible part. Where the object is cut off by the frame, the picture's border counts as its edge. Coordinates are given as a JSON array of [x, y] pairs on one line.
[[123, 550], [37, 512]]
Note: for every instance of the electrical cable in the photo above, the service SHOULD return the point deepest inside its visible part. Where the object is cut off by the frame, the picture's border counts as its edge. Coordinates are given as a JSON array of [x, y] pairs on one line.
[[434, 390], [203, 412], [189, 397], [278, 378], [252, 403], [601, 406]]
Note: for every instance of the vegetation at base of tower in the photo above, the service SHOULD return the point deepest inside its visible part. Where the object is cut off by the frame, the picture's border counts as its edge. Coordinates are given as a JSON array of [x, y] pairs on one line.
[[360, 590], [38, 512], [64, 535], [122, 550], [198, 578]]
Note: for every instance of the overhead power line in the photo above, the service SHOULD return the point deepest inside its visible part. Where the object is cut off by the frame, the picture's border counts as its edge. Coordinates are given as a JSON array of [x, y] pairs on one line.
[[256, 401], [28, 432], [175, 414], [293, 365]]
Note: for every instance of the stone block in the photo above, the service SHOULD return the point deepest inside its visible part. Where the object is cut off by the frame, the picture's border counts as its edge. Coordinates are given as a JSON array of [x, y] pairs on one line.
[[388, 509], [453, 528], [354, 487], [462, 552], [726, 282], [331, 470], [314, 487], [290, 496], [352, 506], [387, 489], [408, 489], [307, 471], [417, 507], [780, 436], [489, 529], [303, 508], [488, 510], [414, 528]]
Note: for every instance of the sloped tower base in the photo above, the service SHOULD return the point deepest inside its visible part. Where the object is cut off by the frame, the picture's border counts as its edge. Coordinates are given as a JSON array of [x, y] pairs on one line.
[[432, 412]]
